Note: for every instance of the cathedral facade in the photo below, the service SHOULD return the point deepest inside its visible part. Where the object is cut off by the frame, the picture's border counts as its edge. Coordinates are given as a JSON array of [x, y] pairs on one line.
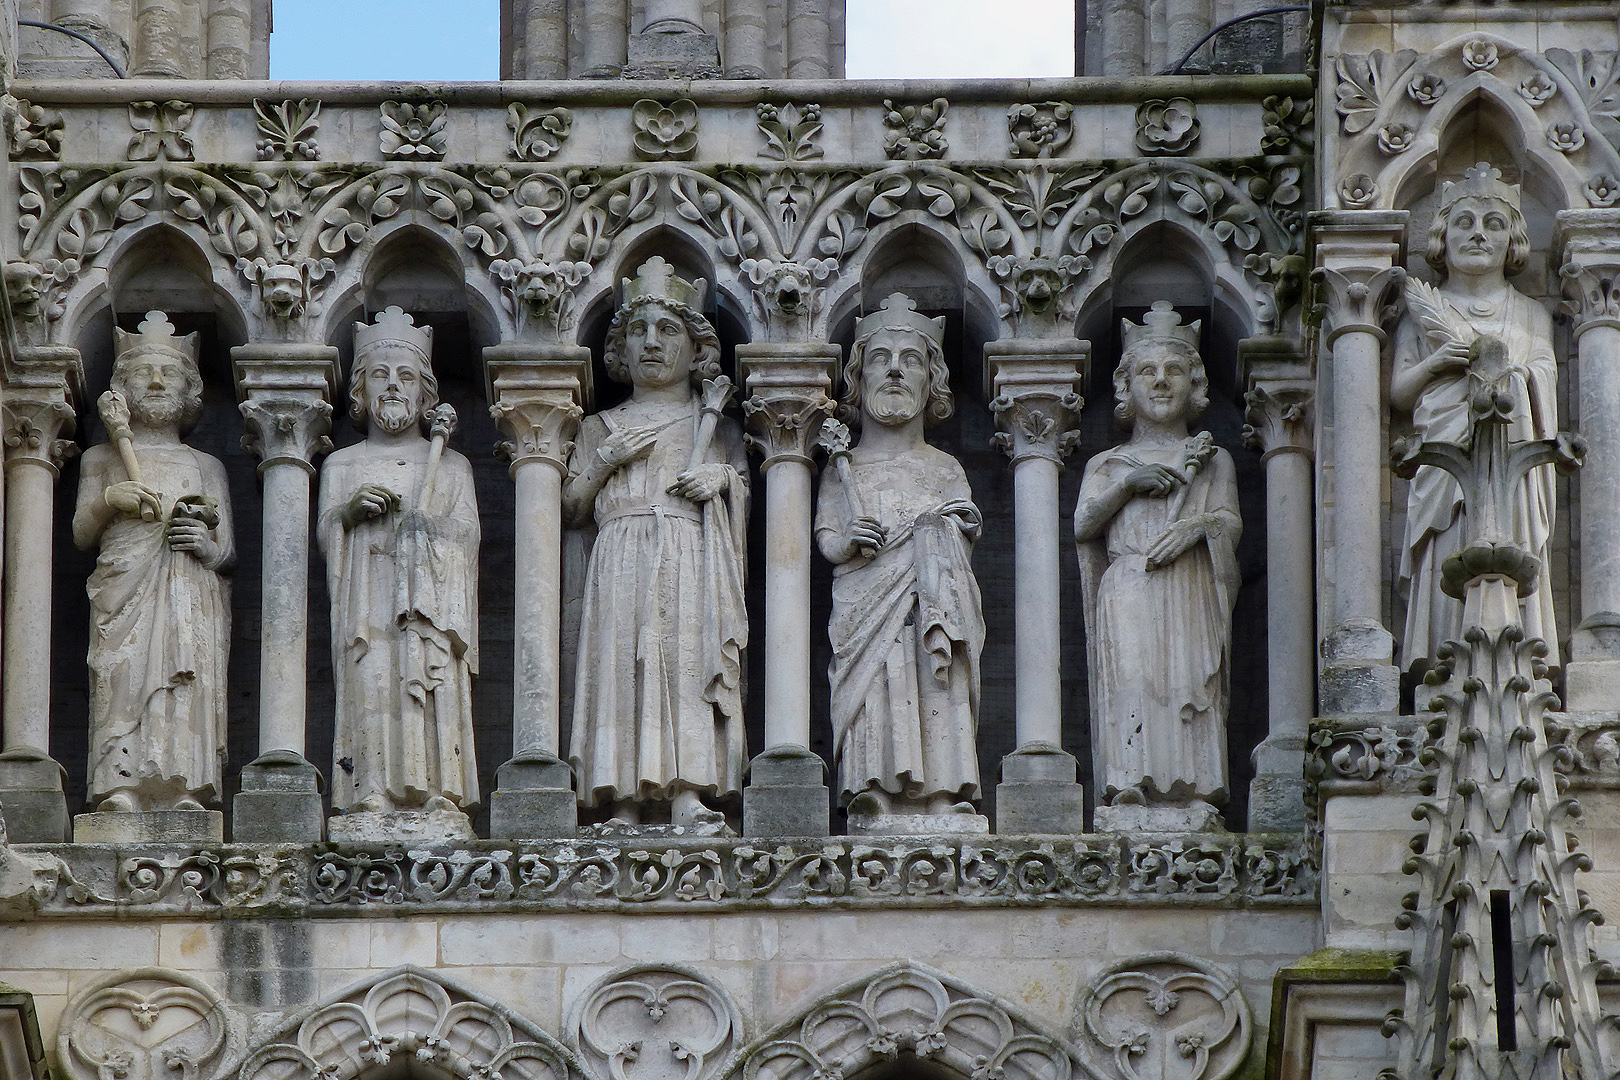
[[677, 565]]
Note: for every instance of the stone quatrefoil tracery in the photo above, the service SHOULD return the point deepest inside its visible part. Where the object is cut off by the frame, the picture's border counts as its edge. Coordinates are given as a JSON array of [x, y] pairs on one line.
[[1051, 227]]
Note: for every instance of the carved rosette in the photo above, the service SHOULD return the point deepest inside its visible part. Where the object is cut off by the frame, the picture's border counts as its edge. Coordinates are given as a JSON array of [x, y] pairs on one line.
[[1356, 299], [906, 1010], [403, 1020], [1278, 419], [656, 1023], [1164, 1015], [145, 1024], [34, 429]]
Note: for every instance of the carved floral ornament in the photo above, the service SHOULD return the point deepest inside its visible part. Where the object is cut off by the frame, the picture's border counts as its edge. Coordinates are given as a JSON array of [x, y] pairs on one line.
[[655, 1023], [145, 1024], [1391, 108], [1065, 220], [1165, 1015]]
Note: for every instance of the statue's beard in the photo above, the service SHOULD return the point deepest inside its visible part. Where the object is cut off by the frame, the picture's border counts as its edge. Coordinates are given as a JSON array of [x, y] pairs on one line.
[[892, 403], [153, 411], [393, 417]]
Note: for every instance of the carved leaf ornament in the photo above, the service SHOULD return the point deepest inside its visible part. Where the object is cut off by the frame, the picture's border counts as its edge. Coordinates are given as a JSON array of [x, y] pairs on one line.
[[1164, 1016], [654, 1023], [146, 1024]]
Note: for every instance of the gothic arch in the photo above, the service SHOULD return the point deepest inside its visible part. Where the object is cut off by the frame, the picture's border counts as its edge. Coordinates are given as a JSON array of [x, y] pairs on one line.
[[908, 1009], [407, 1014]]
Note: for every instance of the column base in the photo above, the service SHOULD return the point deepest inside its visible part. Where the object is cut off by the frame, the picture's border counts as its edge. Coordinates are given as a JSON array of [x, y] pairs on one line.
[[1038, 792], [280, 801], [33, 805], [533, 799], [786, 794], [1357, 674], [1277, 792], [150, 827], [1592, 670], [673, 56]]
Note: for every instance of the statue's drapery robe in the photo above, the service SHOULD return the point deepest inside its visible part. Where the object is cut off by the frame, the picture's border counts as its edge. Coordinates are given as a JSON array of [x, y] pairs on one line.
[[160, 636], [907, 628], [1158, 642], [404, 589], [1434, 504], [658, 686]]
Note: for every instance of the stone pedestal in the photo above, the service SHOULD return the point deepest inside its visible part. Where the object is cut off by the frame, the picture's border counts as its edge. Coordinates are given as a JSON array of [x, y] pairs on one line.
[[32, 802], [280, 801], [918, 824], [786, 794], [401, 828], [673, 56], [1039, 792], [1139, 818], [1277, 792], [533, 799], [150, 827]]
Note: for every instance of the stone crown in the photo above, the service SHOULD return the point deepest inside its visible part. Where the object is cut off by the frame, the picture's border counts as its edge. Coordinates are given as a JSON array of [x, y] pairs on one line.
[[656, 280], [155, 334], [1482, 181], [1160, 324], [393, 324], [899, 312]]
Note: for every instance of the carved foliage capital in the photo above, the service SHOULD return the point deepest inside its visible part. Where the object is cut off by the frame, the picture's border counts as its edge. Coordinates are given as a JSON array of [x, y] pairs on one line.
[[1356, 299], [1037, 424], [287, 429], [34, 429], [1278, 418], [1592, 287], [537, 425], [784, 424]]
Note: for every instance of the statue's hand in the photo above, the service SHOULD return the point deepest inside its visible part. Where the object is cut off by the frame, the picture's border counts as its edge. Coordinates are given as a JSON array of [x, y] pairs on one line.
[[627, 445], [701, 483], [1447, 359], [189, 534], [1155, 480], [1177, 540], [369, 501], [134, 499], [863, 537]]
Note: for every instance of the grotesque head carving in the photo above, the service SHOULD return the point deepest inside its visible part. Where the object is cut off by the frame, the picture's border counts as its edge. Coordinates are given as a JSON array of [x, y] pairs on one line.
[[25, 286]]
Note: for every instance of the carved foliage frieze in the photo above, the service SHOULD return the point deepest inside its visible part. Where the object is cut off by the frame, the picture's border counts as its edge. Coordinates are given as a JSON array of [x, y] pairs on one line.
[[790, 131], [408, 1017], [665, 131], [655, 1023], [537, 134], [908, 1011], [33, 132], [287, 129], [1165, 1015], [414, 132], [144, 1024], [1040, 129], [915, 132], [161, 131]]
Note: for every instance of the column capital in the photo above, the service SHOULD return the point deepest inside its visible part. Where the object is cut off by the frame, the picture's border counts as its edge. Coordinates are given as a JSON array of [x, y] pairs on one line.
[[789, 395], [1357, 258], [1034, 388], [41, 386], [1280, 399], [537, 395], [1588, 246], [285, 393]]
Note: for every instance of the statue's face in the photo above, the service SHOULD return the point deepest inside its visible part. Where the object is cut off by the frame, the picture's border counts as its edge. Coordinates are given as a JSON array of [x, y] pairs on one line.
[[393, 387], [1161, 384], [154, 384], [894, 376], [659, 348], [1477, 235]]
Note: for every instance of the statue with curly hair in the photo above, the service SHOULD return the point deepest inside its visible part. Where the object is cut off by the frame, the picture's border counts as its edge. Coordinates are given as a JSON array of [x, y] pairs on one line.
[[1157, 526], [658, 724], [1478, 237], [897, 521], [399, 528], [159, 599]]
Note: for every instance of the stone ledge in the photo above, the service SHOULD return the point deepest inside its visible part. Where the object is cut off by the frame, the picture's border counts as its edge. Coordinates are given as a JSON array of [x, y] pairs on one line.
[[1223, 871]]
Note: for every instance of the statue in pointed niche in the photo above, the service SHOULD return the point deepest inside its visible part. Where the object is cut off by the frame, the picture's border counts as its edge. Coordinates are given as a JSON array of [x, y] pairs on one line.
[[159, 596], [399, 528], [896, 519], [658, 723], [1478, 237], [1157, 526]]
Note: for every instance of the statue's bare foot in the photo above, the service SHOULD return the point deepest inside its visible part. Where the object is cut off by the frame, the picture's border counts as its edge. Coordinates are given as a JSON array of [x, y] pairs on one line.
[[871, 802], [188, 803], [685, 808], [627, 811], [119, 802], [439, 802], [1131, 796], [375, 803]]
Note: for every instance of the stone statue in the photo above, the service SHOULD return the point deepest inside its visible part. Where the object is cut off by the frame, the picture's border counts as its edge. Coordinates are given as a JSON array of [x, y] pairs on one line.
[[1478, 237], [1157, 527], [399, 528], [896, 519], [159, 600], [658, 694]]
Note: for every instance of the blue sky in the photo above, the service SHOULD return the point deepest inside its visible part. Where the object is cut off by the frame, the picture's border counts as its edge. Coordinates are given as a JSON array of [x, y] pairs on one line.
[[413, 39]]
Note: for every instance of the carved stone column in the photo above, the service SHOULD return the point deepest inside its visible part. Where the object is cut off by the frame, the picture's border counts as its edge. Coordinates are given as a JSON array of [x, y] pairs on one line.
[[1035, 395], [286, 392], [788, 387], [1280, 401], [1358, 257], [537, 395], [38, 414], [1589, 243]]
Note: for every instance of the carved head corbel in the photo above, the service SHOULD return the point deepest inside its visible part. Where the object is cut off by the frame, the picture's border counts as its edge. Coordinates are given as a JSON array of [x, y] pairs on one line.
[[287, 290], [788, 294]]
